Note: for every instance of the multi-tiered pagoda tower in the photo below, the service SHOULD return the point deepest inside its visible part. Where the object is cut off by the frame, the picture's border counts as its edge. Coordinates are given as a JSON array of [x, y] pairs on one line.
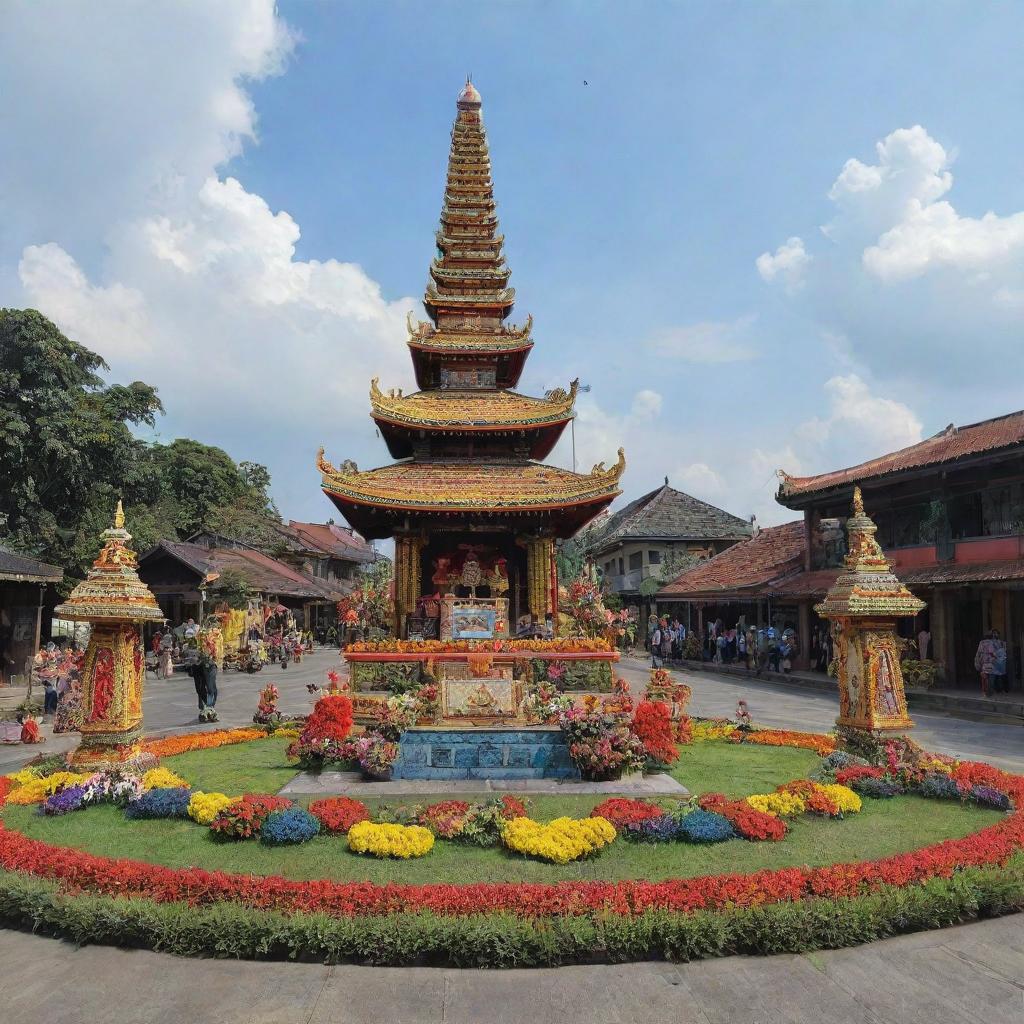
[[474, 516]]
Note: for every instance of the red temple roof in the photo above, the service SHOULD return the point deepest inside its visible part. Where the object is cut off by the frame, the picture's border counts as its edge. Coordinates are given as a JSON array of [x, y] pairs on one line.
[[949, 445], [774, 553]]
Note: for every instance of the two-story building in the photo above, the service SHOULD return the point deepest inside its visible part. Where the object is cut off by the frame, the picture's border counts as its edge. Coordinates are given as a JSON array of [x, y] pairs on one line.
[[655, 531], [950, 516]]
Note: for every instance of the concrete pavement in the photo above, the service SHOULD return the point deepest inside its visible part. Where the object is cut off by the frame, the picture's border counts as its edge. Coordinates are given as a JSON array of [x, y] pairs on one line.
[[787, 707], [968, 975]]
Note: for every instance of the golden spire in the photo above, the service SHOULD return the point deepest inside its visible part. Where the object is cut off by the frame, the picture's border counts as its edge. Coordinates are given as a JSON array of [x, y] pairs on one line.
[[119, 516], [858, 502]]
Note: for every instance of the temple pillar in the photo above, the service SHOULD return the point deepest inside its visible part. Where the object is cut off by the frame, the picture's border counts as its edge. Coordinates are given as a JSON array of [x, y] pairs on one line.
[[408, 577], [542, 578]]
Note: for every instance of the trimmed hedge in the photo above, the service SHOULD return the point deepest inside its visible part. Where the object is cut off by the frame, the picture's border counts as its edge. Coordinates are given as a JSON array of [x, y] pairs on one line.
[[503, 940]]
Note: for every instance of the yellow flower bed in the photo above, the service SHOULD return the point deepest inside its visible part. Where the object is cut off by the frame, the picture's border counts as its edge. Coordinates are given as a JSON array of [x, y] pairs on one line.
[[35, 791], [782, 805], [561, 840], [403, 841], [161, 778], [711, 730], [847, 801], [20, 778], [203, 807]]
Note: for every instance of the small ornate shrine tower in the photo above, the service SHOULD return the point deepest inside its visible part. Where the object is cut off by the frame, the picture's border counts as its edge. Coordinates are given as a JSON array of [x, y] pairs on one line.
[[474, 517], [114, 600], [863, 605]]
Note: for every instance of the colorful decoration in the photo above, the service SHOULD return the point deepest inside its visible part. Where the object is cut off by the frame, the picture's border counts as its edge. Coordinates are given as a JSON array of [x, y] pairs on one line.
[[863, 605], [114, 600]]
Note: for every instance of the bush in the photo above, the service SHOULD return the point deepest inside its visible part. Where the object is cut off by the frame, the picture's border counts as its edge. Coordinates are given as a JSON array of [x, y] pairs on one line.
[[401, 841], [622, 812], [706, 827], [331, 719], [338, 814], [877, 789], [293, 825], [244, 818], [652, 723], [834, 762], [560, 841], [498, 940], [661, 829], [160, 803], [204, 807], [939, 787], [70, 799], [987, 796]]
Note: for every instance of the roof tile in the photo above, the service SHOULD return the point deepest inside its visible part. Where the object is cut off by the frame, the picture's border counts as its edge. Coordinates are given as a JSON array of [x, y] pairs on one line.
[[776, 552]]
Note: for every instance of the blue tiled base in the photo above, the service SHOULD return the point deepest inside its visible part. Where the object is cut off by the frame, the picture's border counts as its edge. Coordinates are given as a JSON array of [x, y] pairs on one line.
[[483, 754]]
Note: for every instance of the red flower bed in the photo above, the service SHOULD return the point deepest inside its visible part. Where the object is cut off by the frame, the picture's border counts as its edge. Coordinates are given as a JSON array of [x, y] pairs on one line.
[[652, 723], [846, 776], [621, 811], [684, 730], [244, 818], [331, 719], [821, 803], [512, 807], [748, 821], [338, 814]]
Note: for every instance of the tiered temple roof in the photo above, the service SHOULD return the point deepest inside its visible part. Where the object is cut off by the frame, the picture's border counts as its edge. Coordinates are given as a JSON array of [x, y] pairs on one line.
[[470, 436]]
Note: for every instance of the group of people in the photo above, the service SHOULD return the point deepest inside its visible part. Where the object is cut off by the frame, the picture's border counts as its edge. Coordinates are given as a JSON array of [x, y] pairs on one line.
[[990, 661], [758, 647]]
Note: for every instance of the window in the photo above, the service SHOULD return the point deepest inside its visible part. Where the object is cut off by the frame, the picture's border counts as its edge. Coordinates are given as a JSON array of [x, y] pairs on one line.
[[654, 558], [636, 560], [609, 568], [621, 569]]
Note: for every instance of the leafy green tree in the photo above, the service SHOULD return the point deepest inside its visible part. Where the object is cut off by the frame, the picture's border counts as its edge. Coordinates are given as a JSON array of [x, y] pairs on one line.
[[68, 453], [66, 444]]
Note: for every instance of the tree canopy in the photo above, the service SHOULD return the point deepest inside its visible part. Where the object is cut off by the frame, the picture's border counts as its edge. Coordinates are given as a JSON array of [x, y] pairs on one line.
[[68, 452]]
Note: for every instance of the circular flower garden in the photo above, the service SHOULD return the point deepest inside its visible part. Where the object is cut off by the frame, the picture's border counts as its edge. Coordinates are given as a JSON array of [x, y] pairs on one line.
[[784, 845]]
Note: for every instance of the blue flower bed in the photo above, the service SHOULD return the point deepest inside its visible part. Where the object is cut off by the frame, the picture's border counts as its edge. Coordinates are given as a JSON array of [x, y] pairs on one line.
[[986, 796], [69, 799], [705, 827], [879, 789], [294, 825], [161, 803], [663, 829], [938, 787]]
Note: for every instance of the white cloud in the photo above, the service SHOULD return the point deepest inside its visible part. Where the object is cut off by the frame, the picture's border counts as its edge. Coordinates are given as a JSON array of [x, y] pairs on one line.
[[112, 320], [787, 263], [646, 404], [711, 341], [920, 292], [197, 288], [698, 479]]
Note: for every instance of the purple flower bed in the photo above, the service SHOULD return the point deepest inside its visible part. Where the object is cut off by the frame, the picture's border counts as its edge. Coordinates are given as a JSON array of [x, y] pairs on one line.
[[66, 800]]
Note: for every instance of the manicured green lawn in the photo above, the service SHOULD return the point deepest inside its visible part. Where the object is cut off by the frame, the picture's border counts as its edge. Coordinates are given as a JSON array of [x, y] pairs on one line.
[[883, 827]]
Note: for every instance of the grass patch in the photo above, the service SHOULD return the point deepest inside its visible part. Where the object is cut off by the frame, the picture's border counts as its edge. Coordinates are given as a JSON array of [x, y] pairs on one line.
[[884, 827]]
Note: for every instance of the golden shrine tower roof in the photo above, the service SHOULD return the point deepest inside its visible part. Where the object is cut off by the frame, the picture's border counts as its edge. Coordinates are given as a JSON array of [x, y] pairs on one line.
[[112, 591], [469, 439], [867, 586]]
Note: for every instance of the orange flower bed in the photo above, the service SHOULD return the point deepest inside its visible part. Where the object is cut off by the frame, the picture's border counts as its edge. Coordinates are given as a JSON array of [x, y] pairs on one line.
[[582, 645], [171, 745], [820, 744]]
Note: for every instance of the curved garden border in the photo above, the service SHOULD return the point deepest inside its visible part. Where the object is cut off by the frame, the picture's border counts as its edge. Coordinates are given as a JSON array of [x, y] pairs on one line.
[[94, 898]]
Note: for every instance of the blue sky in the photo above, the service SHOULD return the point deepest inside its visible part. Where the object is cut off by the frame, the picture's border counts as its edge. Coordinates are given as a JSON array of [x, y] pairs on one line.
[[238, 206]]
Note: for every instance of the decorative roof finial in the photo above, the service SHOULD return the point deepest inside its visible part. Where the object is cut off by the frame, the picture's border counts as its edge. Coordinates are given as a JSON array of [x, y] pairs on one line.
[[858, 502], [119, 516], [470, 96]]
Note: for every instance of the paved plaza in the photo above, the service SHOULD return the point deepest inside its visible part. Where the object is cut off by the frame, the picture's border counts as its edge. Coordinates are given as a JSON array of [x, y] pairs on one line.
[[968, 975]]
